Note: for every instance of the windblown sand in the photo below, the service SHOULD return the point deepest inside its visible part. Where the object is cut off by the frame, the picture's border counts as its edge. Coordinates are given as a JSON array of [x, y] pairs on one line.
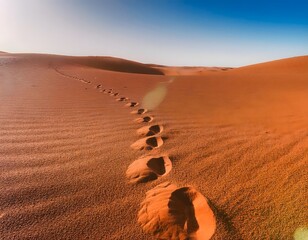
[[237, 141]]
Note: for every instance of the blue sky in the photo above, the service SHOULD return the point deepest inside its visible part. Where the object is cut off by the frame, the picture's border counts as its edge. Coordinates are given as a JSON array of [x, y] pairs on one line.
[[171, 32]]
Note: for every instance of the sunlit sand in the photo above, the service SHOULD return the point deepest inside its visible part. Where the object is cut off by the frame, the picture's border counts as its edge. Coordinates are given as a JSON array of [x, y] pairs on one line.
[[104, 148]]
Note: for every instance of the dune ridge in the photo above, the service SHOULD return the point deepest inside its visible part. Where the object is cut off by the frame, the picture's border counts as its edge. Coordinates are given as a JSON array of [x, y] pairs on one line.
[[104, 63], [239, 137]]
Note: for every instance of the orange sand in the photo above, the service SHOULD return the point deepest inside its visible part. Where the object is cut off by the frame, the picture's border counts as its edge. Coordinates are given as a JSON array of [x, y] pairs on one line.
[[237, 138]]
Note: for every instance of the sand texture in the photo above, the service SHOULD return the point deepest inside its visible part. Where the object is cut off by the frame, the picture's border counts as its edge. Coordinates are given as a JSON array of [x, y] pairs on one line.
[[105, 148]]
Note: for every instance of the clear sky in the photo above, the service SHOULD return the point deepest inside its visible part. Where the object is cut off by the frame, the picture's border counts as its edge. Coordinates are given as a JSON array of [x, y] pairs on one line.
[[170, 32]]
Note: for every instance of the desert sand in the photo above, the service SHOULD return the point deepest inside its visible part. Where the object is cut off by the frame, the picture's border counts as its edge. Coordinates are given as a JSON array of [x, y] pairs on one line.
[[105, 148]]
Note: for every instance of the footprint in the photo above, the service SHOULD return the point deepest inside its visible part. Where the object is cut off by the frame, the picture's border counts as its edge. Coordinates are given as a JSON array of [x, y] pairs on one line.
[[114, 94], [148, 168], [169, 212], [150, 130], [99, 86], [144, 119], [132, 104], [148, 143], [122, 99], [84, 81], [109, 91], [140, 111]]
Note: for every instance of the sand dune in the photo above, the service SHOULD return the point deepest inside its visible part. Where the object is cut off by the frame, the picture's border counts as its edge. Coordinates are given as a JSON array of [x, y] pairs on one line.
[[188, 71], [232, 145], [285, 65], [117, 64], [104, 63]]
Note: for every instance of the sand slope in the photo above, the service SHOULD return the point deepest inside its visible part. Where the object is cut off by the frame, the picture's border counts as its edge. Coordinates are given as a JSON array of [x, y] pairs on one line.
[[238, 138], [104, 63]]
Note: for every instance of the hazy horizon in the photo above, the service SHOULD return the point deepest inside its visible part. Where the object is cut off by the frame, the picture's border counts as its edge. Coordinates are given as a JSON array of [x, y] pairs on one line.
[[186, 33]]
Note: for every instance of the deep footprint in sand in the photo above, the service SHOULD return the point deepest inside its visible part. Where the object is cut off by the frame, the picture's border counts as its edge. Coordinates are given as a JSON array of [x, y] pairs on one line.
[[150, 130], [122, 99], [147, 143], [105, 91], [169, 212], [144, 119], [132, 104], [114, 94], [110, 91], [140, 111], [148, 168]]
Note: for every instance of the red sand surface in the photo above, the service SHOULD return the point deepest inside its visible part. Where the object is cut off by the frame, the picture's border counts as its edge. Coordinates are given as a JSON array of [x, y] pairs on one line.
[[236, 138]]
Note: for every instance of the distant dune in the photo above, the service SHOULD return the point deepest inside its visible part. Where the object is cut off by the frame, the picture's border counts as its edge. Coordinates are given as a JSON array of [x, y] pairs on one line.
[[105, 63], [188, 71], [287, 64], [105, 148], [117, 64]]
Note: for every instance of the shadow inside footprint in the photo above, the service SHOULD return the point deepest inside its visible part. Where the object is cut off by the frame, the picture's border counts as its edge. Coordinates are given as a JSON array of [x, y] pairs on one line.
[[153, 130], [140, 111], [144, 119], [147, 119], [157, 165], [150, 130], [152, 142], [180, 205], [132, 104], [148, 143], [122, 99]]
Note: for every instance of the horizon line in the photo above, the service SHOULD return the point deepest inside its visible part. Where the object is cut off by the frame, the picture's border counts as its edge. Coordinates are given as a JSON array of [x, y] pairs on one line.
[[151, 63]]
